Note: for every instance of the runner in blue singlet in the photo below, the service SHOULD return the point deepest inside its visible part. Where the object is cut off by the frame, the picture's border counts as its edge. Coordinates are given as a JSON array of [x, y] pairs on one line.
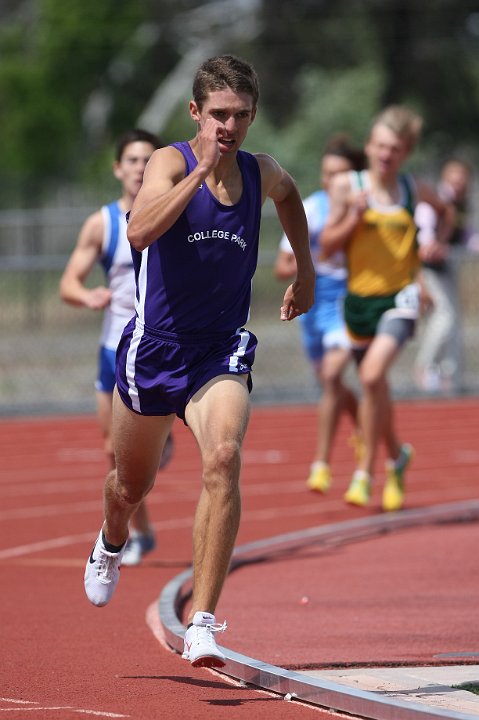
[[103, 239], [324, 333]]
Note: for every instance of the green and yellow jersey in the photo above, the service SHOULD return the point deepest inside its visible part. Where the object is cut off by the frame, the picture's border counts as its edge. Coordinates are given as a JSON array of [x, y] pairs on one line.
[[382, 252], [382, 257]]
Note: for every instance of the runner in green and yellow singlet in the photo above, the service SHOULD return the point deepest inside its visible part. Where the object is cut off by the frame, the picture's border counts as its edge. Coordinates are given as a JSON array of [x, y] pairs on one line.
[[372, 219]]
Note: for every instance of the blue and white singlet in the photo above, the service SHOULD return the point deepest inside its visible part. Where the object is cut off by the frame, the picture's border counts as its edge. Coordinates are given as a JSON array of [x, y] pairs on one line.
[[117, 263]]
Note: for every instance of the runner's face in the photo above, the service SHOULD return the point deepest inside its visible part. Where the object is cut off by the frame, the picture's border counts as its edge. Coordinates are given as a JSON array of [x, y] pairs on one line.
[[456, 176], [132, 165], [234, 113], [386, 152], [331, 165]]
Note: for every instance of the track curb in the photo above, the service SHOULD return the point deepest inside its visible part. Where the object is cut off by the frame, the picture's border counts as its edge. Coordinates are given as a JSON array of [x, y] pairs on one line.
[[293, 685]]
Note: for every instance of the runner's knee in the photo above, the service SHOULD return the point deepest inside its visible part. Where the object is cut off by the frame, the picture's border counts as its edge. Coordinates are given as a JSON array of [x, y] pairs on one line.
[[372, 379], [221, 464], [132, 491]]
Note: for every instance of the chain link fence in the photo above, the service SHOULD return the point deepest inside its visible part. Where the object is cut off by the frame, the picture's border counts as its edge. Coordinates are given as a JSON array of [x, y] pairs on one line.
[[49, 349]]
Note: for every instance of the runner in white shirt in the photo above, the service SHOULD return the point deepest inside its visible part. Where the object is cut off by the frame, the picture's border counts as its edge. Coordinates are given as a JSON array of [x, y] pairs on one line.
[[103, 239]]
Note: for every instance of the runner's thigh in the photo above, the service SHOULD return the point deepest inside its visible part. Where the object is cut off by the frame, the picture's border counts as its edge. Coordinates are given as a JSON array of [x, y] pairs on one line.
[[219, 411]]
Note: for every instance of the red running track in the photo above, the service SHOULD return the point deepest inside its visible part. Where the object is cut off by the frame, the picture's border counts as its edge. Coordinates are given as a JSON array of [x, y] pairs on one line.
[[62, 658]]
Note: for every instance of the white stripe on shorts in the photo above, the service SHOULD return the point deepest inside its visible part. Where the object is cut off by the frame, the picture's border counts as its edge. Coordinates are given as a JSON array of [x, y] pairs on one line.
[[240, 351], [142, 280], [130, 365], [137, 333]]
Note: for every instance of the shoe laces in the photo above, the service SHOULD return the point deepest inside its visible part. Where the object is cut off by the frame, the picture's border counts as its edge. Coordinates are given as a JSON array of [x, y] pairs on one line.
[[210, 628], [107, 566], [218, 627]]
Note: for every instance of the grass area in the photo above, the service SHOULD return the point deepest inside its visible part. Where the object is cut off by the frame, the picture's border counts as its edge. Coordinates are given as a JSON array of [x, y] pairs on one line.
[[470, 687]]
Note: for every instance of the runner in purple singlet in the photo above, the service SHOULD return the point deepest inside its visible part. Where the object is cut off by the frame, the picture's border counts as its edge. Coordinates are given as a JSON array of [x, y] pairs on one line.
[[194, 229]]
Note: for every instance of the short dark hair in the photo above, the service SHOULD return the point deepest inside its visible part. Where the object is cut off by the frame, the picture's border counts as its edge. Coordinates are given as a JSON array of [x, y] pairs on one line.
[[341, 146], [135, 135], [223, 71]]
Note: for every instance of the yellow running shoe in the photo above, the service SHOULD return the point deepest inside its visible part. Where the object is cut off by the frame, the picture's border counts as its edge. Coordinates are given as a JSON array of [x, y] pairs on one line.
[[319, 478], [359, 490], [393, 493]]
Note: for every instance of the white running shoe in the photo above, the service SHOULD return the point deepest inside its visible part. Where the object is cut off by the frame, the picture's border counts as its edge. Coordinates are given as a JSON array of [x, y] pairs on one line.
[[102, 573], [137, 545], [200, 645]]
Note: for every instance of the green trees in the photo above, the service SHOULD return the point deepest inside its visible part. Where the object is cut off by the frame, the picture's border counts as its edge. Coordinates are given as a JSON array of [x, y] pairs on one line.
[[74, 74], [57, 75]]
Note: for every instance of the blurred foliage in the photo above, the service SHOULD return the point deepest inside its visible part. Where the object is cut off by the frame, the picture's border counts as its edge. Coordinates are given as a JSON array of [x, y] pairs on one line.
[[50, 61], [427, 52], [73, 75], [60, 61], [323, 98]]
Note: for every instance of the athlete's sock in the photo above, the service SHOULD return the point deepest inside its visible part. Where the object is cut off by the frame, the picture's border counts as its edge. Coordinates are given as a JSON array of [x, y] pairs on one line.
[[108, 546]]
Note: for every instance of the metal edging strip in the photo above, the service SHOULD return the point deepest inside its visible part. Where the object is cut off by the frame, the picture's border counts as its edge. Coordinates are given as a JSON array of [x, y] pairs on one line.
[[320, 692]]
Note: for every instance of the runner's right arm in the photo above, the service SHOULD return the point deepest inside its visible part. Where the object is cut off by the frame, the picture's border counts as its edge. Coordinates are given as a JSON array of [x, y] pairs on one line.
[[86, 253], [346, 209]]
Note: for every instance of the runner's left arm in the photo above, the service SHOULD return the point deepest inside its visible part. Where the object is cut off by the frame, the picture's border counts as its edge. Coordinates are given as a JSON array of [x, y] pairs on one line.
[[278, 185]]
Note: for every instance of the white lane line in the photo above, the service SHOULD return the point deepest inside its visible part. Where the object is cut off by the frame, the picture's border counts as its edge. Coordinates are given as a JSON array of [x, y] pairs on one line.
[[153, 621], [159, 497], [49, 510], [50, 488], [28, 549], [37, 708], [186, 495], [27, 476], [8, 553], [80, 711], [312, 508], [93, 465]]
